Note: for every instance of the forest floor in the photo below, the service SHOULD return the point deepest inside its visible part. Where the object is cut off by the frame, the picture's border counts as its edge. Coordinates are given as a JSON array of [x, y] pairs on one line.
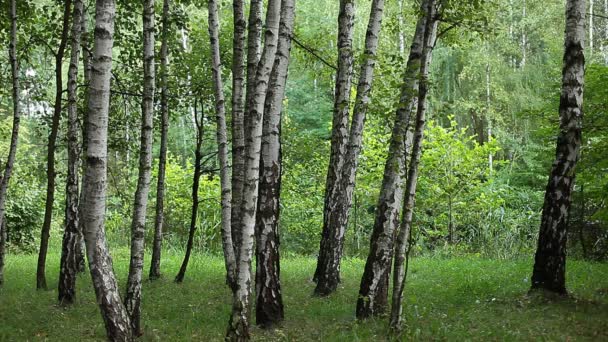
[[447, 299]]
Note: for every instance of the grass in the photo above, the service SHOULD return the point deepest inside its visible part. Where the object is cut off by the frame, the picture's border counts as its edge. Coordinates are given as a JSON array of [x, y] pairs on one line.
[[447, 299]]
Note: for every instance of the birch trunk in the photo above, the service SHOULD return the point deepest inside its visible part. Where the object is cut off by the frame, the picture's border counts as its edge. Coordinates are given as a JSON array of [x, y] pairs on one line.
[[238, 327], [342, 200], [254, 46], [327, 273], [69, 256], [550, 261], [86, 65], [95, 180], [195, 185], [50, 166], [373, 291], [222, 133], [10, 161], [269, 300], [430, 33], [162, 159], [138, 223]]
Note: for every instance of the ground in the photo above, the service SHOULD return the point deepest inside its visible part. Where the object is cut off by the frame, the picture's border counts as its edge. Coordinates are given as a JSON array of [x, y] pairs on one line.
[[456, 299]]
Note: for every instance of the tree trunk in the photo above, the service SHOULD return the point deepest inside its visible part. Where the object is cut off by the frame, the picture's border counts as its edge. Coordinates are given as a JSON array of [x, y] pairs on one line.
[[222, 136], [86, 65], [373, 291], [550, 261], [95, 180], [50, 167], [430, 33], [162, 159], [138, 224], [69, 256], [254, 46], [195, 185], [238, 327], [269, 300], [327, 273], [342, 200], [10, 161]]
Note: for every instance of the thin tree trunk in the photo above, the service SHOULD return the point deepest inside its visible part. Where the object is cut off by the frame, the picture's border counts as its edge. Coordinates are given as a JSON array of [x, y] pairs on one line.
[[69, 256], [342, 200], [86, 64], [138, 224], [195, 185], [373, 291], [430, 33], [10, 161], [222, 135], [269, 300], [327, 273], [113, 311], [50, 167], [254, 50], [550, 261], [238, 327], [162, 159]]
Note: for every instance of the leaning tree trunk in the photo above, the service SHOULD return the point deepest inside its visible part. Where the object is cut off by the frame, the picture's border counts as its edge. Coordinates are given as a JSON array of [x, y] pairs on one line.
[[50, 166], [238, 327], [162, 159], [138, 224], [254, 49], [69, 256], [550, 261], [10, 161], [116, 319], [373, 291], [222, 136], [195, 185], [269, 300], [430, 33], [327, 273], [341, 201]]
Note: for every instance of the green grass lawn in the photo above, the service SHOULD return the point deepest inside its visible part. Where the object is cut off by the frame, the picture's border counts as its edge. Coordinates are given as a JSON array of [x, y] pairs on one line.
[[447, 299]]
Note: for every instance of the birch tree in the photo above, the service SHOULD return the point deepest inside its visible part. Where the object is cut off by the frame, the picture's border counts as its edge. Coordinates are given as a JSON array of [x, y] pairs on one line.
[[138, 223], [269, 300], [162, 159], [327, 273], [69, 256], [342, 200], [238, 326], [116, 319], [430, 32], [549, 271], [373, 291], [50, 166], [10, 161]]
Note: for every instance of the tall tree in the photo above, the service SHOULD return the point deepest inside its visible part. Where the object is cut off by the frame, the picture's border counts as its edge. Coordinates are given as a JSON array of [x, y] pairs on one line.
[[238, 327], [399, 273], [69, 251], [549, 271], [220, 115], [196, 177], [10, 161], [50, 166], [138, 223], [341, 201], [116, 319], [373, 291], [162, 159], [327, 273], [239, 142], [269, 300]]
